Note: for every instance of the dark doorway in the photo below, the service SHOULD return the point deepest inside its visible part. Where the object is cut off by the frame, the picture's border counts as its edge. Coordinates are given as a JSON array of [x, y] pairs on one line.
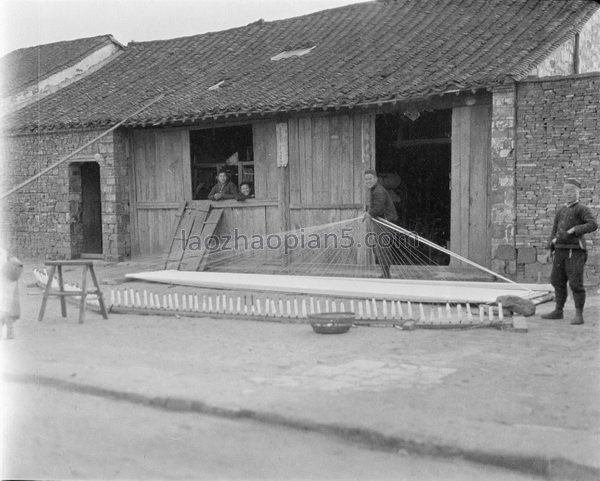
[[414, 161], [91, 209]]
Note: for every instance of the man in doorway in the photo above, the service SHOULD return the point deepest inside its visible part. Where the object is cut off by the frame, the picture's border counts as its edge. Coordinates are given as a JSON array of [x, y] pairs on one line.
[[567, 242], [379, 204], [224, 188]]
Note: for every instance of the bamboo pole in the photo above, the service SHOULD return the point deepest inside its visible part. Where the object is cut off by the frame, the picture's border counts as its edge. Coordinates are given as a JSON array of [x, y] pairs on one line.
[[76, 151], [445, 251]]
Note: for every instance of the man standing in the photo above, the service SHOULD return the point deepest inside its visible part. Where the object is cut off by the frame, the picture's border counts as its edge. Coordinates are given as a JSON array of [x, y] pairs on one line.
[[380, 204], [567, 241]]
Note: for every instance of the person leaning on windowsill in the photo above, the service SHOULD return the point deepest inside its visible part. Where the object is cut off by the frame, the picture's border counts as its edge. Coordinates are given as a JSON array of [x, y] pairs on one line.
[[245, 192], [567, 242], [224, 189]]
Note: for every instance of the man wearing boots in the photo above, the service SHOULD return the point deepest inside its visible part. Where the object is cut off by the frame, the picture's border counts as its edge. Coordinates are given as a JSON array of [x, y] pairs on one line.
[[567, 242]]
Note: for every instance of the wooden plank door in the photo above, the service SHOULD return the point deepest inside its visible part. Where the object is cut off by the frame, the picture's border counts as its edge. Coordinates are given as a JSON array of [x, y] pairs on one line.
[[470, 219], [161, 169]]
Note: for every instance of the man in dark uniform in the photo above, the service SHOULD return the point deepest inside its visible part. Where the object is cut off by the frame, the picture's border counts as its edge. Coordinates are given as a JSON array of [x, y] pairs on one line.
[[567, 241], [380, 204]]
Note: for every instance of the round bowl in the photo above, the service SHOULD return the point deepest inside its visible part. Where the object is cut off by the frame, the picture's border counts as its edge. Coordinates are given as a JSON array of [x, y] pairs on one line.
[[331, 322]]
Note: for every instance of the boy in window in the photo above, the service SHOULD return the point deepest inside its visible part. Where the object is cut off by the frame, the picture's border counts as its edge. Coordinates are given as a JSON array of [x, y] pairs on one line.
[[224, 188], [245, 192]]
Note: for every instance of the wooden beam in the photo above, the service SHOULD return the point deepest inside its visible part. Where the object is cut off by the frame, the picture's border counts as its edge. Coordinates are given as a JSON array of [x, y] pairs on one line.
[[283, 177], [158, 205], [343, 287], [186, 167], [325, 206], [417, 142], [133, 214], [76, 151]]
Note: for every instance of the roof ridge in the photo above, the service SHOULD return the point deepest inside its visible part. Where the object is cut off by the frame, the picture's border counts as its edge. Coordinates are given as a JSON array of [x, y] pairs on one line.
[[367, 52], [259, 23], [107, 36], [543, 51], [78, 50]]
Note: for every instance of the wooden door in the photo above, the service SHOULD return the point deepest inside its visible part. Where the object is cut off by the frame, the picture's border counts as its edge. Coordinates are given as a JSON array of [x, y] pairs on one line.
[[162, 182], [470, 219], [91, 209]]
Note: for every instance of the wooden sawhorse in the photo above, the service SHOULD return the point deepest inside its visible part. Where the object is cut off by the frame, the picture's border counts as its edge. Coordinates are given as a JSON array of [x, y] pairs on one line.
[[58, 265]]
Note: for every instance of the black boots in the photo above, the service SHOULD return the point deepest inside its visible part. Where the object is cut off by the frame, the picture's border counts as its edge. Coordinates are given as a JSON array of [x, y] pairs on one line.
[[558, 314], [578, 319], [555, 314]]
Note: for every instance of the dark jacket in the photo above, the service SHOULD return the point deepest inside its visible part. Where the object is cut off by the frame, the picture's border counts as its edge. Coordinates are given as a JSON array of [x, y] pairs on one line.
[[574, 215], [380, 204], [241, 197], [228, 189]]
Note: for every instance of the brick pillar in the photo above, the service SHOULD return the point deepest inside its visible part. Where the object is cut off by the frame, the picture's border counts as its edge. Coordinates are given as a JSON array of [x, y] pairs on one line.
[[108, 180], [503, 207], [121, 195]]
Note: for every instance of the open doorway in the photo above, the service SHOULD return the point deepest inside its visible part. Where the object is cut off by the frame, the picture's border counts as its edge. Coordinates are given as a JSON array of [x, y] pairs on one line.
[[413, 158], [91, 209], [85, 209], [228, 148]]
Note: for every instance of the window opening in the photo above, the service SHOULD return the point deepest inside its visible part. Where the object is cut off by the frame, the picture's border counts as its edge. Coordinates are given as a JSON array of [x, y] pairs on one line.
[[228, 148]]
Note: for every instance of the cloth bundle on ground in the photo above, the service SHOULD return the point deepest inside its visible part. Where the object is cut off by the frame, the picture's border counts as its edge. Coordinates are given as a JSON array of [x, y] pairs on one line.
[[517, 305]]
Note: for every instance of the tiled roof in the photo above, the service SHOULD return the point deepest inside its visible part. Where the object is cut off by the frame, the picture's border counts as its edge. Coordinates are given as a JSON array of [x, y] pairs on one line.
[[368, 52], [26, 66]]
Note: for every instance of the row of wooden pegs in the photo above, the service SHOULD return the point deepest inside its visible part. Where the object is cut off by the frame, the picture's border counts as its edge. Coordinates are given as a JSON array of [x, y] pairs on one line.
[[301, 308], [294, 308]]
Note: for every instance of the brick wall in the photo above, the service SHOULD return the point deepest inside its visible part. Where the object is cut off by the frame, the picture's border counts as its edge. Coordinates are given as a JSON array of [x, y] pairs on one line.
[[39, 221], [558, 131]]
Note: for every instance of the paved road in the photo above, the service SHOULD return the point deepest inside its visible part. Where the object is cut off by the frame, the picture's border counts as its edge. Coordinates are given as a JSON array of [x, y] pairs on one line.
[[53, 434]]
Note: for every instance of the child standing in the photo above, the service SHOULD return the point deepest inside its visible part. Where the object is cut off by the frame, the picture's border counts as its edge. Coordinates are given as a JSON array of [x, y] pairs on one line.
[[10, 306]]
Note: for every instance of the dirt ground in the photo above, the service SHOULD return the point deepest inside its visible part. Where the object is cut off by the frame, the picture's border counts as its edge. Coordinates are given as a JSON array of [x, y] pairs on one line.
[[521, 400], [53, 434]]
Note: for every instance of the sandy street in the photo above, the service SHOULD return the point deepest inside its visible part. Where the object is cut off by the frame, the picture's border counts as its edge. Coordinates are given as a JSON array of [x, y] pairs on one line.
[[59, 435], [100, 400]]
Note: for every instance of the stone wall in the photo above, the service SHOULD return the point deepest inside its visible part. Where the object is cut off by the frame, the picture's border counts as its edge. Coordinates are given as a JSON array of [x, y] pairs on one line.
[[558, 136], [38, 220]]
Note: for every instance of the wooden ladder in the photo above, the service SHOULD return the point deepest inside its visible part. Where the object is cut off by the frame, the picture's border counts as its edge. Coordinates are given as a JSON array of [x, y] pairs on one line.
[[197, 224]]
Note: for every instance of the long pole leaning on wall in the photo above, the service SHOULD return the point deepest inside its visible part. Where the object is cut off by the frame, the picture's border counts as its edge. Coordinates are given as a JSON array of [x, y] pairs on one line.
[[75, 152]]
